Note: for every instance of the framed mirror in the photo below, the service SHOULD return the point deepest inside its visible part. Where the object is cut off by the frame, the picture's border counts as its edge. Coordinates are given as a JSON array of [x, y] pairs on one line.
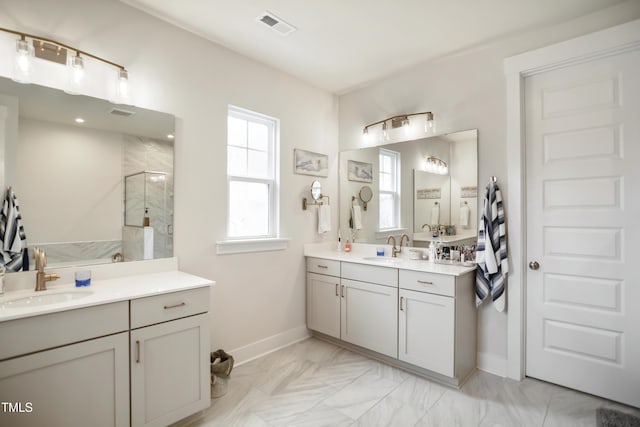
[[422, 188], [66, 158]]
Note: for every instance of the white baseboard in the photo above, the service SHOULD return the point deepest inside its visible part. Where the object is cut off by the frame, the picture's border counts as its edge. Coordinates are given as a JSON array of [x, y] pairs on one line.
[[492, 364], [268, 345]]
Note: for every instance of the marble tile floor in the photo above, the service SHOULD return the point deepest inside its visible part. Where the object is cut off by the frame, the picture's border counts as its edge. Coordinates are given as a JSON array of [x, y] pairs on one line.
[[315, 383]]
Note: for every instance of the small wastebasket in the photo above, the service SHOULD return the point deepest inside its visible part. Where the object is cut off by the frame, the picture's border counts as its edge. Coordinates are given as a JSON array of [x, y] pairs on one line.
[[221, 366]]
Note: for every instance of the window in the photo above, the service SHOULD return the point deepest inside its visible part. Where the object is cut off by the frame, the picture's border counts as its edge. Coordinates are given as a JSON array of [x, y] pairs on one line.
[[389, 189], [252, 170]]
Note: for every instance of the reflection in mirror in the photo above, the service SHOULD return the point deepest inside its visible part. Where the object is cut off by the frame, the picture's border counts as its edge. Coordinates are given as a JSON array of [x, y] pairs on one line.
[[453, 188], [365, 194], [66, 158]]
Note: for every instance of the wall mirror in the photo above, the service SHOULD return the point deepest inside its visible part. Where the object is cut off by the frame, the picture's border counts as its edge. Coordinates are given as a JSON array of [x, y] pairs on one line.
[[433, 195], [68, 159]]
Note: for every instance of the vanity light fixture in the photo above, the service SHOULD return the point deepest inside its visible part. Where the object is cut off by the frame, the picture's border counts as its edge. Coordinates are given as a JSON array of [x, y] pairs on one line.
[[24, 63], [79, 120], [435, 165], [402, 121]]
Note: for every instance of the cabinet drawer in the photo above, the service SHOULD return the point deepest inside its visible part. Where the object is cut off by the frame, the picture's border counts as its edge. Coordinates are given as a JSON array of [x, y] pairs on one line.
[[36, 333], [162, 308], [370, 273], [323, 266], [428, 282]]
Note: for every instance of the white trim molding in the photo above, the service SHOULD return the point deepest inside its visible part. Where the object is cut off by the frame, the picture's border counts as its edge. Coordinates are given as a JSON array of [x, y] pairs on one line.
[[268, 345], [612, 41], [226, 247]]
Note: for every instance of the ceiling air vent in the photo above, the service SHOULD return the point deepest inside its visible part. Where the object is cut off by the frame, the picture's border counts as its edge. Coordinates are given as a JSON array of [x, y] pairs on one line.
[[121, 112], [276, 24]]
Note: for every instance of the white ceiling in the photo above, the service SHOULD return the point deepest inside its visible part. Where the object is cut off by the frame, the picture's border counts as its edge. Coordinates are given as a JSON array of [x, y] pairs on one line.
[[343, 44]]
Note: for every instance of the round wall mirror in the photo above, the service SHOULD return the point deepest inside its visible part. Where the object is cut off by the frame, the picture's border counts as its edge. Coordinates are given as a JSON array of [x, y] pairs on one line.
[[316, 190], [366, 194]]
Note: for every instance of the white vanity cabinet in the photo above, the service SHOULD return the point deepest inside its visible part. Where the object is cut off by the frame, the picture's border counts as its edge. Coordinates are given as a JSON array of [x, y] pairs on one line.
[[56, 380], [437, 328], [323, 296], [422, 321], [169, 357], [137, 362], [353, 302], [369, 314]]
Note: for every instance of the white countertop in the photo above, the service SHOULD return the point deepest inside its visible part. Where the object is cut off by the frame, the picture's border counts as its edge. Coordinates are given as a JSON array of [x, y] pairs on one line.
[[103, 292], [361, 251]]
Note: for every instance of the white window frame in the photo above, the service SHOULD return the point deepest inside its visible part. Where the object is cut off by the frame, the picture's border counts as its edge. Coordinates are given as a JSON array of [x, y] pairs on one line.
[[396, 164], [271, 240]]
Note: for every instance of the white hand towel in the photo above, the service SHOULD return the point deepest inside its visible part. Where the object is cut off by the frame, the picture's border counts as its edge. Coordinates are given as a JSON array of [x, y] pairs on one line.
[[324, 219], [147, 243], [465, 213], [435, 215], [356, 214]]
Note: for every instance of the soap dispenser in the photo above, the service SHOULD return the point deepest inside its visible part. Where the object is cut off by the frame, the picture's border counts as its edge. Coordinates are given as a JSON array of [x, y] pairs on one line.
[[432, 249], [147, 222]]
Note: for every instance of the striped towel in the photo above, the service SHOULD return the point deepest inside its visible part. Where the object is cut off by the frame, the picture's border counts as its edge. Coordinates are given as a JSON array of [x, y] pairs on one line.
[[491, 254], [12, 234]]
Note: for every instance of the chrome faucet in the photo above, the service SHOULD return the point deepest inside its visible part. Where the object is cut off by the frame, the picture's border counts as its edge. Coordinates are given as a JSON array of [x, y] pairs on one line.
[[402, 239], [41, 277], [394, 251]]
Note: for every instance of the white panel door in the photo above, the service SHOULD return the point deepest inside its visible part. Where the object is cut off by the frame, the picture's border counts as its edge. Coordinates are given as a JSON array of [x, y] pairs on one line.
[[369, 316], [583, 226]]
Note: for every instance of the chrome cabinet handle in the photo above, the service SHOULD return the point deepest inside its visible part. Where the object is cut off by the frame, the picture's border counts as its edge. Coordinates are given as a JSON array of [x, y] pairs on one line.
[[342, 291], [401, 300], [138, 355], [534, 265], [182, 304], [323, 266], [337, 286], [424, 282]]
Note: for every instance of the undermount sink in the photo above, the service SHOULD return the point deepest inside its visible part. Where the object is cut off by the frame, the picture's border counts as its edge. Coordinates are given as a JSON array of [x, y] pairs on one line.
[[381, 259], [45, 298]]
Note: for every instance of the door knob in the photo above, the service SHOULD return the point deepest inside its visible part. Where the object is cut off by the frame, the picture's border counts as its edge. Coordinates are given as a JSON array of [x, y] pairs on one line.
[[534, 265]]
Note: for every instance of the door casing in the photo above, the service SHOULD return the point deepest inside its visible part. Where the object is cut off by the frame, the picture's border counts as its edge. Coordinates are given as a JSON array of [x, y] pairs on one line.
[[612, 41]]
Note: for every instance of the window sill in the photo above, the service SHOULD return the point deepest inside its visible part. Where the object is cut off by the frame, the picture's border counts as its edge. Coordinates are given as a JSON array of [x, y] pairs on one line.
[[226, 247], [383, 234]]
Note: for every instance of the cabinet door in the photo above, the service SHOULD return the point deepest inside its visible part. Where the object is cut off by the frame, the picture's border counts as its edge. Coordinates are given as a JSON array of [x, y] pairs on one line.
[[170, 376], [323, 304], [75, 385], [427, 331], [369, 316]]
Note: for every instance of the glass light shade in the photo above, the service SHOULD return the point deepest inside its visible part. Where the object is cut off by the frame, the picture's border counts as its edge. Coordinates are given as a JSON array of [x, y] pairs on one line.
[[23, 67], [365, 135], [75, 70], [122, 87], [430, 124]]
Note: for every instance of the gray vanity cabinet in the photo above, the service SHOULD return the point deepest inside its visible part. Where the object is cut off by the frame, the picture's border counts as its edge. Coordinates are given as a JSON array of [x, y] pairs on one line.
[[323, 296], [421, 321]]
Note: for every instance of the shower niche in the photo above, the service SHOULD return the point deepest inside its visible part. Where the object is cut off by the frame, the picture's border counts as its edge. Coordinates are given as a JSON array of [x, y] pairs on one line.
[[148, 215]]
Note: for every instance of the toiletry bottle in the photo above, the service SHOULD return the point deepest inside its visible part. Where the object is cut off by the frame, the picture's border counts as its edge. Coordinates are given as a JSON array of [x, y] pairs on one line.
[[347, 246], [146, 217], [432, 252], [339, 241]]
